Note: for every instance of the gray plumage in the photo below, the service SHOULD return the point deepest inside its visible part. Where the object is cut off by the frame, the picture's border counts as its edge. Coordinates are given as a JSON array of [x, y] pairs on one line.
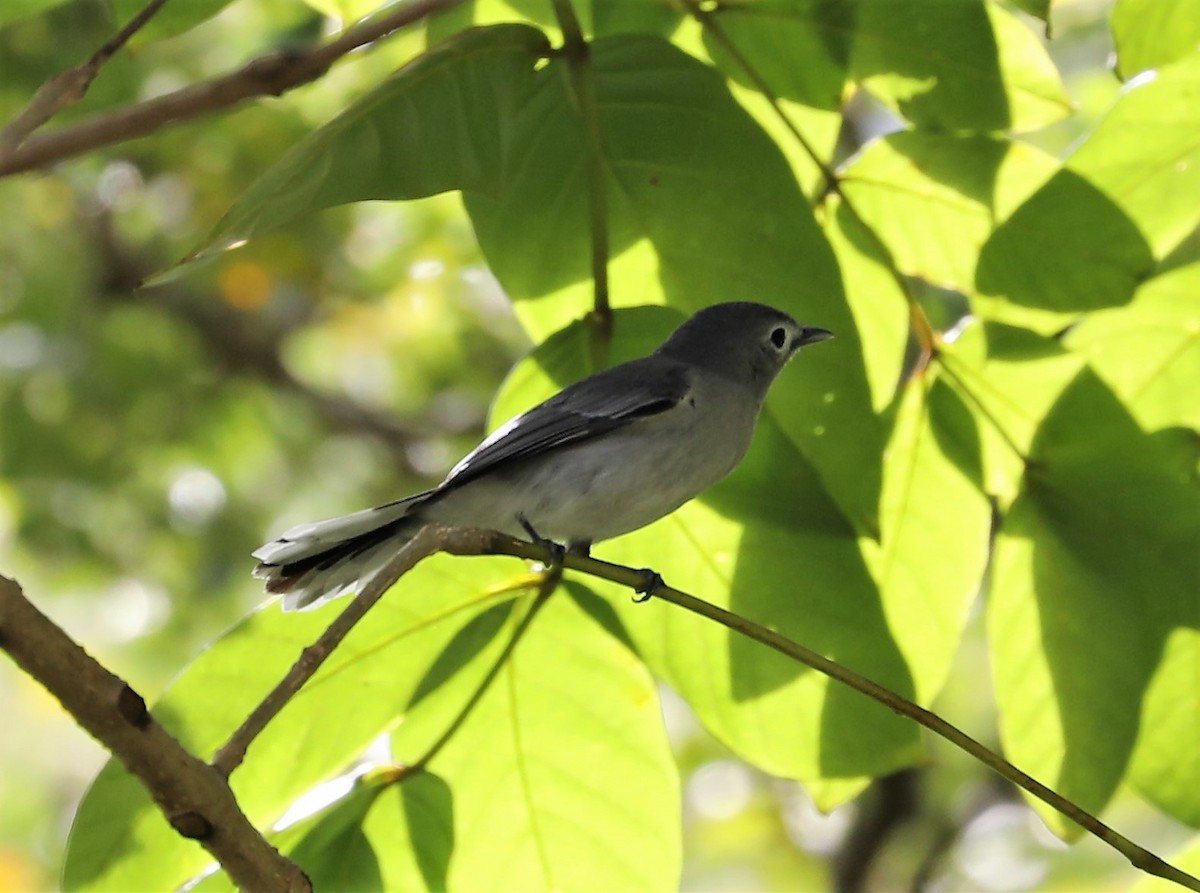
[[605, 456]]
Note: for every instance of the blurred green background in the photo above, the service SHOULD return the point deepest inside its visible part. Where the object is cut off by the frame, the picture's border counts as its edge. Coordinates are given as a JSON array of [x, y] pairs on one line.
[[150, 438]]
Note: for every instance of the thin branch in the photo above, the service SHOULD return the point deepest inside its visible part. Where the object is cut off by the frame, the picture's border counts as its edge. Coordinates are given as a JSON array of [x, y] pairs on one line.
[[709, 22], [69, 87], [468, 542], [579, 65], [270, 75], [423, 544], [195, 800]]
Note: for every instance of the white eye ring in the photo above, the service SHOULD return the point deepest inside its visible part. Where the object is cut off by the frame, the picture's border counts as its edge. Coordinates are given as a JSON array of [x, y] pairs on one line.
[[779, 337]]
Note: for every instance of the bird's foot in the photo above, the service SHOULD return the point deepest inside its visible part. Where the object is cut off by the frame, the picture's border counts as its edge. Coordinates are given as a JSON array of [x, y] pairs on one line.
[[652, 581], [557, 550]]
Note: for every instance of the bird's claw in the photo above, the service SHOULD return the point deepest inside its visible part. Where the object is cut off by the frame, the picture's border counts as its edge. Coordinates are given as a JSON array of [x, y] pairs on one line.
[[652, 581]]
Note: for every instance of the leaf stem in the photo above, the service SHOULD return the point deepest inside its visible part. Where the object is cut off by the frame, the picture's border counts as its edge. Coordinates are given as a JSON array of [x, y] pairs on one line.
[[577, 52], [708, 21], [947, 364]]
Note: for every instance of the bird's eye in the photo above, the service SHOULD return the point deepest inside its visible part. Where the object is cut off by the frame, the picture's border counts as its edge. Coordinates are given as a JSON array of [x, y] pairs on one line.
[[779, 337]]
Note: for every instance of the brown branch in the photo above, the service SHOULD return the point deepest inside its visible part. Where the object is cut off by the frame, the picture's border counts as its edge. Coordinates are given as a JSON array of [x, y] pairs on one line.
[[69, 87], [270, 75], [196, 800]]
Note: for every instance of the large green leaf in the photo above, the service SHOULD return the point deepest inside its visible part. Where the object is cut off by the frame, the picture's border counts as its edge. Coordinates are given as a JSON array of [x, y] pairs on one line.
[[956, 65], [770, 544], [442, 122], [702, 208], [386, 669], [562, 777], [935, 525], [876, 297], [1095, 565], [475, 115], [935, 198], [1166, 773], [19, 9], [1152, 33], [1090, 235], [770, 35], [1149, 351]]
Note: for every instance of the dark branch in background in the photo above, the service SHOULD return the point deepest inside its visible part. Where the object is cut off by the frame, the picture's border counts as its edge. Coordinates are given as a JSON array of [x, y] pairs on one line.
[[194, 798], [270, 75], [69, 87], [885, 806], [583, 85]]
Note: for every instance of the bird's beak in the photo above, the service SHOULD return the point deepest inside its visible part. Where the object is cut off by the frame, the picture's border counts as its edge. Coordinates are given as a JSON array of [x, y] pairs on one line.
[[811, 336]]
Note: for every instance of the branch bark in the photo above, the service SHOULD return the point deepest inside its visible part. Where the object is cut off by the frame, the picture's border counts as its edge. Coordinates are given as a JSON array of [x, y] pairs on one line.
[[269, 75], [69, 87], [194, 798]]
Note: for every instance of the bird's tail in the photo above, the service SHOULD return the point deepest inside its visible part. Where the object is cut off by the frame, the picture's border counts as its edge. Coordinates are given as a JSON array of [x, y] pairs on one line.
[[313, 563]]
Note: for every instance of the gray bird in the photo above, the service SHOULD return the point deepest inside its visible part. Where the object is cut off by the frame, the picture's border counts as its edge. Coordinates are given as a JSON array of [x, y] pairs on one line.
[[605, 456]]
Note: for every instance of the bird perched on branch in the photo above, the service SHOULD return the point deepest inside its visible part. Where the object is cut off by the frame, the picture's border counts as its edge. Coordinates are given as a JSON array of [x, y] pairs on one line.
[[605, 456]]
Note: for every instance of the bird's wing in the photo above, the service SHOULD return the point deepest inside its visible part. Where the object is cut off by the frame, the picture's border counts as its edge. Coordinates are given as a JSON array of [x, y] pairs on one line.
[[603, 402]]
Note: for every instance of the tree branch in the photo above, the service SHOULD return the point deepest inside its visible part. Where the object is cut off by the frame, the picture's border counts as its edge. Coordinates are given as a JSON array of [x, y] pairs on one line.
[[69, 87], [421, 546], [270, 75], [476, 542], [195, 800]]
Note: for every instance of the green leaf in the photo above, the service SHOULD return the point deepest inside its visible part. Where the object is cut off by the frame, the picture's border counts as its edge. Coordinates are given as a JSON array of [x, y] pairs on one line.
[[562, 775], [1166, 773], [934, 199], [961, 65], [1037, 8], [1088, 237], [677, 147], [19, 9], [875, 297], [439, 123], [935, 526], [1011, 377], [474, 114], [1149, 351], [172, 19], [771, 34], [1095, 564], [419, 811], [769, 543], [384, 671], [1153, 33]]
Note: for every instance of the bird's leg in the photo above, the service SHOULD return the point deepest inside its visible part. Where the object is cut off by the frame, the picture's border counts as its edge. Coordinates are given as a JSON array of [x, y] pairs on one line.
[[652, 581], [556, 550], [580, 547]]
